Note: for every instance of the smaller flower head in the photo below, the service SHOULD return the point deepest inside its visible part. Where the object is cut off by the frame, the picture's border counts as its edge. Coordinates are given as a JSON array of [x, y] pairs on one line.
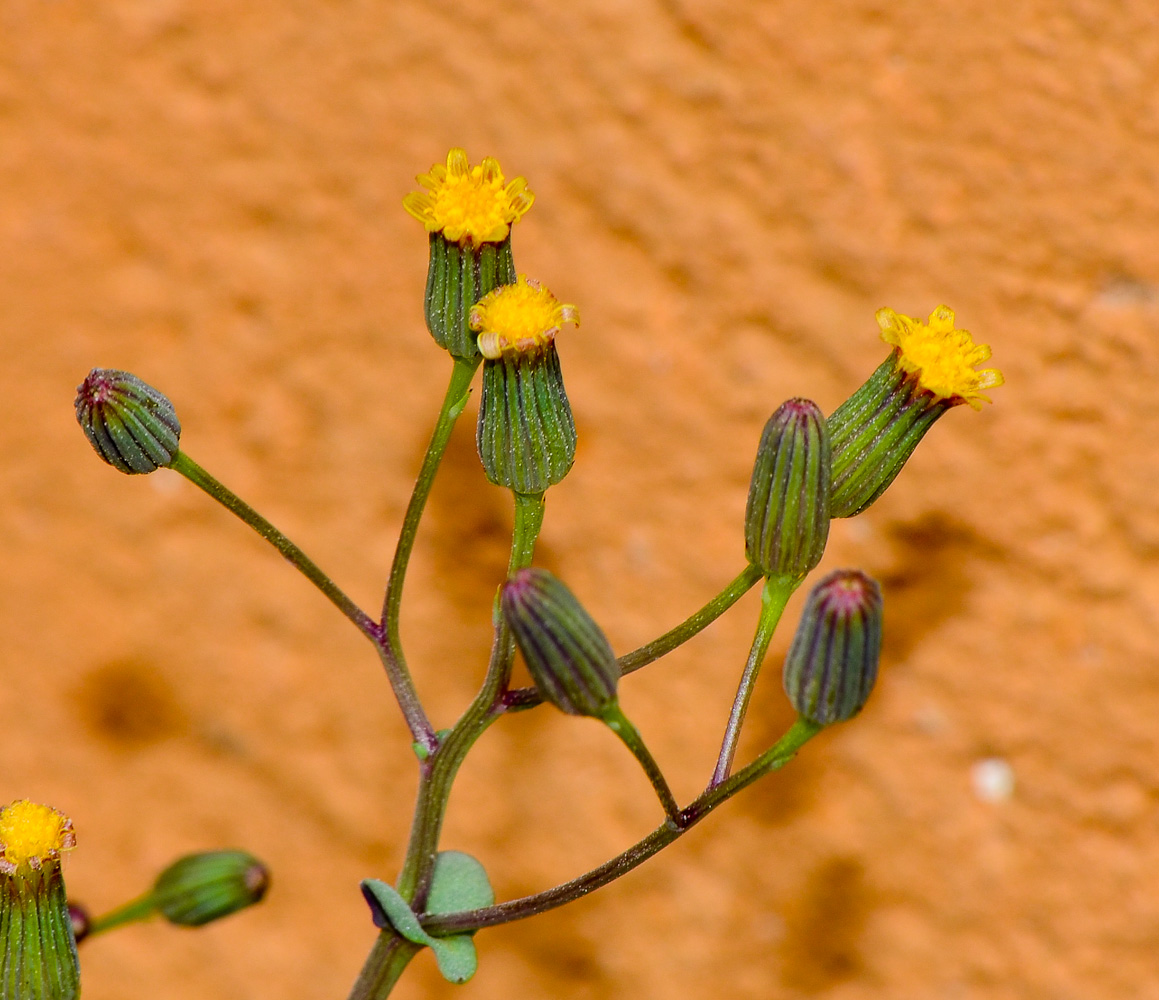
[[941, 358], [469, 204], [31, 834], [519, 318]]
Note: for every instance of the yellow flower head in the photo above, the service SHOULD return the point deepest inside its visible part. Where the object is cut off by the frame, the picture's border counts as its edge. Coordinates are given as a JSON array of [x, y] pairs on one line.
[[32, 834], [468, 204], [941, 358], [519, 318]]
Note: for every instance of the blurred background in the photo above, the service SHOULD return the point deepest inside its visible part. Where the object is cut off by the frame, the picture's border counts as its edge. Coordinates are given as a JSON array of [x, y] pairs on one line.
[[209, 194]]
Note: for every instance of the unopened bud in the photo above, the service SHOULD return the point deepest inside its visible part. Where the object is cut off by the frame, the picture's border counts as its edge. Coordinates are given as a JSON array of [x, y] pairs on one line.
[[199, 888], [130, 424], [832, 661], [566, 652], [787, 517]]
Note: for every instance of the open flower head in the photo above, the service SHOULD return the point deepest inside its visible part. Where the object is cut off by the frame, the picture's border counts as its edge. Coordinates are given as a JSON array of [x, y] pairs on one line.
[[940, 357], [32, 834], [469, 204], [519, 318]]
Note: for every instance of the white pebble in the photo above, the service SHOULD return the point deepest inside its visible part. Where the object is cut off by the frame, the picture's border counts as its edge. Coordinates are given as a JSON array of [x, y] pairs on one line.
[[993, 779]]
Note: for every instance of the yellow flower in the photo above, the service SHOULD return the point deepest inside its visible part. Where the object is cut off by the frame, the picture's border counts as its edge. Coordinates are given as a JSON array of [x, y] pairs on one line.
[[519, 318], [941, 357], [468, 204], [32, 834]]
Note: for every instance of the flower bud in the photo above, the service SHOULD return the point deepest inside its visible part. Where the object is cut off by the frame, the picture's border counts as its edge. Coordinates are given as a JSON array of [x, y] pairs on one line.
[[81, 920], [566, 652], [199, 888], [526, 434], [468, 212], [38, 960], [787, 517], [130, 424], [875, 431], [832, 661]]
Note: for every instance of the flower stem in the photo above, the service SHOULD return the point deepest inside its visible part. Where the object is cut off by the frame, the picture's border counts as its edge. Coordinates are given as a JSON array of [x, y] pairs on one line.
[[619, 724], [523, 698], [517, 909], [388, 959], [774, 597], [232, 502], [131, 912], [440, 769], [393, 659]]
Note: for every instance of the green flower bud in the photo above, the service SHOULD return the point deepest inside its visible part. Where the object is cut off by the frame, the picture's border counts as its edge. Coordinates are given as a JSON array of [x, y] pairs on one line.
[[832, 661], [39, 960], [566, 652], [130, 424], [875, 431], [199, 888], [469, 212], [526, 434], [787, 517]]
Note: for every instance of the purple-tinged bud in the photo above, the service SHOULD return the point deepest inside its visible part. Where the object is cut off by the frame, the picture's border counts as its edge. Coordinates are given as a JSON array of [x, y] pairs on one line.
[[199, 888], [832, 661], [787, 517], [566, 652], [81, 921], [130, 424]]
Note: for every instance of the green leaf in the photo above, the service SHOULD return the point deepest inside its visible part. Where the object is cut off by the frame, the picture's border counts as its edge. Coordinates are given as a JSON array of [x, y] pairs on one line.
[[459, 883]]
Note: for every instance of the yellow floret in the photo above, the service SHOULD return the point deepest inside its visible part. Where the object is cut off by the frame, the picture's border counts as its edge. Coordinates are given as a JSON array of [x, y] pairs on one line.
[[31, 834], [941, 357], [469, 204], [519, 318]]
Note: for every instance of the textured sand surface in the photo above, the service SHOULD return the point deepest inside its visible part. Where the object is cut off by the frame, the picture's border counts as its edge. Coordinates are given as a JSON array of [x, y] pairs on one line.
[[208, 194]]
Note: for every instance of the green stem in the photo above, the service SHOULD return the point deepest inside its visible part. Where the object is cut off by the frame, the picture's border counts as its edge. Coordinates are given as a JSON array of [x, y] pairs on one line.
[[232, 502], [130, 913], [527, 906], [441, 767], [620, 724], [774, 597], [393, 659], [528, 522], [523, 698], [388, 960]]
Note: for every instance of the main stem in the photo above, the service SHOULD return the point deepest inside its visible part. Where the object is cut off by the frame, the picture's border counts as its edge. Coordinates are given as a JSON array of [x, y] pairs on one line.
[[527, 906], [236, 505], [390, 647], [774, 597], [439, 771]]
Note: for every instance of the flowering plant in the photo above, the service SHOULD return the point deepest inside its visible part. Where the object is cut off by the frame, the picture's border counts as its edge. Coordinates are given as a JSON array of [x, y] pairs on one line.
[[809, 468]]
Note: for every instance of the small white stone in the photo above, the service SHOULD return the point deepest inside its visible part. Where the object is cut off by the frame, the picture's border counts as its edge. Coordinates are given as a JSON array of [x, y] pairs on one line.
[[993, 779]]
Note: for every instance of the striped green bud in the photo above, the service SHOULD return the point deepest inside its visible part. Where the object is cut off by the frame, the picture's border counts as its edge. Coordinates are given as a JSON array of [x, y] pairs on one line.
[[458, 276], [787, 517], [566, 652], [130, 424], [200, 888], [832, 662]]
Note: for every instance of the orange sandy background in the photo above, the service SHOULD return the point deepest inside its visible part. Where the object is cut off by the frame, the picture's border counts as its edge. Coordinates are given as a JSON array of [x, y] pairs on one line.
[[208, 194]]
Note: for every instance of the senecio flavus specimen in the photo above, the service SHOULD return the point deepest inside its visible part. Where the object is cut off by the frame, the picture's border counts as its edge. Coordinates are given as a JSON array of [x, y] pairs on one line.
[[808, 469]]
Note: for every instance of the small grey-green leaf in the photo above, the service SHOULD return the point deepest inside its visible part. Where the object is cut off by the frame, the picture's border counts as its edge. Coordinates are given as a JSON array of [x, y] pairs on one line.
[[388, 907], [456, 957], [458, 883]]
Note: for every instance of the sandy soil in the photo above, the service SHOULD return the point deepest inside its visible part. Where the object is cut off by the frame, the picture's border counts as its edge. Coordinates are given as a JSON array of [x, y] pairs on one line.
[[208, 194]]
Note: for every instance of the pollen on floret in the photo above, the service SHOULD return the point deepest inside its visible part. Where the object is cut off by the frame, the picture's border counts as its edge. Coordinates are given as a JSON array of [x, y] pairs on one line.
[[31, 834], [519, 318], [941, 358], [469, 204]]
